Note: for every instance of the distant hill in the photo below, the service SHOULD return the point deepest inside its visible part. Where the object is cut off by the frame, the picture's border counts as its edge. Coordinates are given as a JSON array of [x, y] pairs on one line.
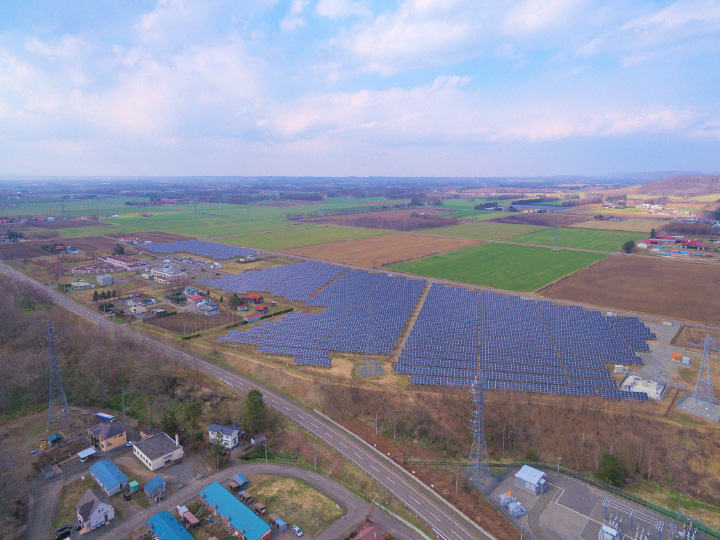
[[689, 185]]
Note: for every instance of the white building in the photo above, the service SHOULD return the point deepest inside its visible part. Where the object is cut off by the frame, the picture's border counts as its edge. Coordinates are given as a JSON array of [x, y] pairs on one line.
[[93, 510], [159, 450], [531, 480], [229, 437]]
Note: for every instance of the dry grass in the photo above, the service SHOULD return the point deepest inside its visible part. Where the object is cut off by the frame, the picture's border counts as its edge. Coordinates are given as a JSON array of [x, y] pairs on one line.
[[640, 225]]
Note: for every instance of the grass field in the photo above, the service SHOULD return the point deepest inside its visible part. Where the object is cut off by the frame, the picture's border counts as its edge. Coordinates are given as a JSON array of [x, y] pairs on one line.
[[580, 238], [484, 230], [301, 237], [297, 502], [639, 225], [503, 266]]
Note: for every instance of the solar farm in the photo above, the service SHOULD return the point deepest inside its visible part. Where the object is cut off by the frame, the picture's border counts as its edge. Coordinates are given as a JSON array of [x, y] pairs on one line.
[[520, 345], [201, 248]]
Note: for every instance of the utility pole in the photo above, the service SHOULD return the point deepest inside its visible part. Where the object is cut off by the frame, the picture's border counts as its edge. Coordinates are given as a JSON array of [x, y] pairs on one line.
[[315, 452], [558, 467], [265, 450], [376, 427], [394, 427]]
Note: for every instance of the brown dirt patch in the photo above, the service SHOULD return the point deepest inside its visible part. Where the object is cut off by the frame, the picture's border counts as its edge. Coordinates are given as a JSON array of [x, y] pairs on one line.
[[20, 250], [676, 289], [384, 250], [91, 243], [67, 224], [153, 236], [561, 218], [191, 323]]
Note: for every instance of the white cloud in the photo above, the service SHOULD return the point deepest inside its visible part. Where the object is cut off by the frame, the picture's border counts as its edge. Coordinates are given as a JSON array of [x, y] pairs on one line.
[[294, 18], [533, 16], [340, 9]]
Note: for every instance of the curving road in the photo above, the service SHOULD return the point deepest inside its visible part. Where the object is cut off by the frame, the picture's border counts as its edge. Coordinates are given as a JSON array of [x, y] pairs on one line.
[[447, 521]]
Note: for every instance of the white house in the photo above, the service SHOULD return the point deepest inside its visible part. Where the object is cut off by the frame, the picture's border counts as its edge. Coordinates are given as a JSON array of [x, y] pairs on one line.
[[94, 510], [227, 436], [159, 450]]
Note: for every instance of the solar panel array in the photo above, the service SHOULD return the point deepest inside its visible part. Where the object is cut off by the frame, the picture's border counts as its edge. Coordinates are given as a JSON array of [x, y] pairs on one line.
[[364, 312], [524, 345], [198, 247]]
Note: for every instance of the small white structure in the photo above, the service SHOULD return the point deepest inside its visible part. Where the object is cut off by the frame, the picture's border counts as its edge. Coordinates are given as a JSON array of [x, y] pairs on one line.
[[104, 280], [653, 389], [531, 480], [619, 368], [608, 533]]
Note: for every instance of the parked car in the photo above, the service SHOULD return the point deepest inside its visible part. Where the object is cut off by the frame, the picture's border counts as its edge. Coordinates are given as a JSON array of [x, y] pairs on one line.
[[297, 530]]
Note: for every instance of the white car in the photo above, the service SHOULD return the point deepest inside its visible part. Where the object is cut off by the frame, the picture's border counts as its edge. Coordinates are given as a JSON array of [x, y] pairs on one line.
[[297, 530]]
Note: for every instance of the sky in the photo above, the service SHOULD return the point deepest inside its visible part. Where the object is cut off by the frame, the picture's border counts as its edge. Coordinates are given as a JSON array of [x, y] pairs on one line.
[[358, 87]]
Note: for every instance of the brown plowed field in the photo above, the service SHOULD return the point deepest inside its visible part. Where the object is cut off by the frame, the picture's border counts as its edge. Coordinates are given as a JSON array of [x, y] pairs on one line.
[[153, 236], [91, 243], [20, 250], [561, 218], [675, 289], [378, 251]]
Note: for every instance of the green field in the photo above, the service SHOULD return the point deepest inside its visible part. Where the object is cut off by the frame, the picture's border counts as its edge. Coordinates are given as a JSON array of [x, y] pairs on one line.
[[481, 215], [597, 240], [301, 237], [484, 230], [503, 266]]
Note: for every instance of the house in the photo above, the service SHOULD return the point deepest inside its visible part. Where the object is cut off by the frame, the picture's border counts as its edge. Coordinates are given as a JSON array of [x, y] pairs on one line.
[[159, 450], [644, 244], [531, 480], [126, 262], [104, 280], [155, 487], [234, 513], [80, 284], [163, 526], [694, 244], [146, 433], [192, 291], [93, 510], [107, 435], [168, 276], [110, 479], [254, 298], [208, 309], [195, 298], [227, 436], [369, 531], [261, 309], [243, 307], [138, 310]]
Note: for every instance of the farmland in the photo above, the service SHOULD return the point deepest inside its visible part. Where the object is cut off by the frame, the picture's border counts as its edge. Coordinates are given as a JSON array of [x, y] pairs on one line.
[[580, 238], [301, 237], [377, 251], [503, 266], [639, 225], [484, 230], [669, 288]]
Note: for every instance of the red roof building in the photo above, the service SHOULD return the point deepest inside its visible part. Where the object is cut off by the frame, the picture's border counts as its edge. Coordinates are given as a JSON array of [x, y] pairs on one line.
[[261, 309], [694, 244]]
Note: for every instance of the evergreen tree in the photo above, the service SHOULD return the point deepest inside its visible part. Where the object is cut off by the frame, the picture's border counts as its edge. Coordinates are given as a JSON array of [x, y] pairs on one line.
[[254, 416], [629, 246], [610, 470], [103, 295], [653, 233], [169, 423], [95, 296]]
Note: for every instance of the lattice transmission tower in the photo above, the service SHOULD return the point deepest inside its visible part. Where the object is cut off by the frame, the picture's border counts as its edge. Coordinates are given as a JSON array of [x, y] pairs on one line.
[[704, 385], [478, 471], [58, 411]]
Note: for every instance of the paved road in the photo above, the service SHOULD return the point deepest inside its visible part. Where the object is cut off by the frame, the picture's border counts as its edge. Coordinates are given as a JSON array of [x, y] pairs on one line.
[[357, 509], [435, 511]]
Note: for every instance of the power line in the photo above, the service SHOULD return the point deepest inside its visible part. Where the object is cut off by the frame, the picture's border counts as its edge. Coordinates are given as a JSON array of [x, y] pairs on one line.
[[58, 411]]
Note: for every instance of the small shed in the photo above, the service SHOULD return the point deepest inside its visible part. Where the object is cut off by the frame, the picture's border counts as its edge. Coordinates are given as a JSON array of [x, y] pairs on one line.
[[531, 480], [261, 308], [191, 519], [259, 508], [134, 486], [47, 471], [243, 307], [85, 454], [245, 497], [277, 522], [252, 318], [241, 481], [155, 487]]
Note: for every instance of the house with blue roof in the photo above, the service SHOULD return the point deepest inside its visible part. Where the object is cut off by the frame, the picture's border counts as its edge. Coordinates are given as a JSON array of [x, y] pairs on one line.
[[164, 526], [241, 520], [110, 479], [155, 487]]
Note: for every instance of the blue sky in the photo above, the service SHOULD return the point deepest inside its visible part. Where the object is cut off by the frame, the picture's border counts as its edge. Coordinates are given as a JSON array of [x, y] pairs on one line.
[[358, 87]]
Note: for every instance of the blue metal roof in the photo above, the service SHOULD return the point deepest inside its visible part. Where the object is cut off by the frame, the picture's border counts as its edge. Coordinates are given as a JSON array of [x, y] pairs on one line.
[[240, 479], [107, 474], [166, 527], [155, 483], [234, 512]]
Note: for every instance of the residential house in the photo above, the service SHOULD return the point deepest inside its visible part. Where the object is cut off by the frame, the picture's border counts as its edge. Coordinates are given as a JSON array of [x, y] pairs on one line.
[[369, 531], [93, 510], [159, 450], [155, 487], [110, 479], [164, 526], [80, 284], [233, 513], [229, 437], [107, 435]]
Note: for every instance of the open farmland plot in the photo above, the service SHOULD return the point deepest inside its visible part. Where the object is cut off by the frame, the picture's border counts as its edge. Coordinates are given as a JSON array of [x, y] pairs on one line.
[[377, 251], [92, 243], [580, 238], [301, 237], [638, 225], [675, 289], [561, 218], [154, 236], [484, 230], [20, 250], [503, 266]]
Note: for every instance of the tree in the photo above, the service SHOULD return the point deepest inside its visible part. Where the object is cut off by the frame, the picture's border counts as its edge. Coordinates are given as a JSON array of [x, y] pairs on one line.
[[653, 233], [169, 423], [254, 416], [234, 300], [114, 294], [95, 296], [119, 249], [103, 295], [629, 246], [221, 299], [610, 470]]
